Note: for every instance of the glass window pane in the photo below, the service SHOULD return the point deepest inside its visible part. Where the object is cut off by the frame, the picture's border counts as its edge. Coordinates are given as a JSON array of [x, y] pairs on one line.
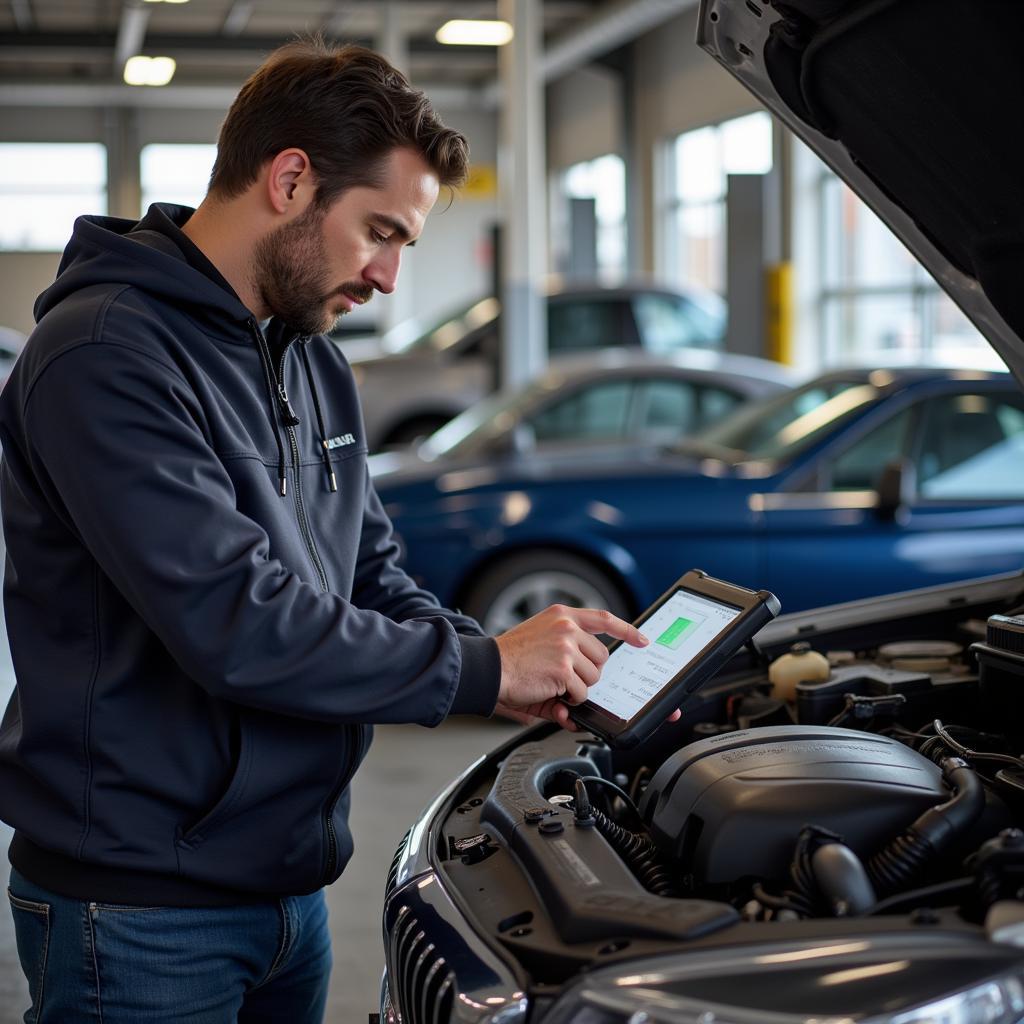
[[595, 412], [973, 448], [954, 338], [701, 245], [699, 172], [661, 322], [885, 327], [860, 466], [175, 173], [716, 404], [669, 409], [864, 252], [603, 180], [775, 428], [586, 323], [747, 144], [44, 187]]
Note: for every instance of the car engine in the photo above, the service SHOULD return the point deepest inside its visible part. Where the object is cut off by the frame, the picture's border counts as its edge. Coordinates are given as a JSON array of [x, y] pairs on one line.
[[856, 774]]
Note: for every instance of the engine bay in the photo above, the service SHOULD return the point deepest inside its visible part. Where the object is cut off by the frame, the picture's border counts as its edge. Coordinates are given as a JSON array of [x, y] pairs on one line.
[[861, 773]]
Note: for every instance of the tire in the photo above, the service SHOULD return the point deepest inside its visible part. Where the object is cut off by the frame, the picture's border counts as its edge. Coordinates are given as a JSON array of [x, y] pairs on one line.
[[414, 430], [525, 584]]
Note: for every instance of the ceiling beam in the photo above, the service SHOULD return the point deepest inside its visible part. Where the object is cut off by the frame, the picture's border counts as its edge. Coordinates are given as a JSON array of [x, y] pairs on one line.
[[130, 33], [23, 17], [185, 97], [168, 42], [237, 18]]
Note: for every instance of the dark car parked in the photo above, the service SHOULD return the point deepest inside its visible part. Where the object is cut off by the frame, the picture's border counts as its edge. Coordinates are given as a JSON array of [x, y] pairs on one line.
[[834, 831], [860, 482], [409, 393]]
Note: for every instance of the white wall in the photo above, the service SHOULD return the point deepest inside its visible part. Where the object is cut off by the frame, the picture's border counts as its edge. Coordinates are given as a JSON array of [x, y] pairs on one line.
[[584, 113]]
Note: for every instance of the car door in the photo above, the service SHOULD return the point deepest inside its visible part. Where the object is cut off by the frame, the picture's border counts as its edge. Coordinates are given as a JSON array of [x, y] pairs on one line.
[[963, 514]]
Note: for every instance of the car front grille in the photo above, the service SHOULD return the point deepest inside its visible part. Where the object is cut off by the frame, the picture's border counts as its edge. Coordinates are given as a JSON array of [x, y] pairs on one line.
[[423, 986]]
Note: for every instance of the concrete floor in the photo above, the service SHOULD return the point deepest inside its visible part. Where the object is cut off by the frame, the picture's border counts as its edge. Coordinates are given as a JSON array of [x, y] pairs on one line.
[[406, 766]]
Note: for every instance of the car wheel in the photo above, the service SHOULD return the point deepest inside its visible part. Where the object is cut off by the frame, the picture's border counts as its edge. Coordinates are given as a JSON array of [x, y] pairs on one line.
[[413, 430], [526, 584]]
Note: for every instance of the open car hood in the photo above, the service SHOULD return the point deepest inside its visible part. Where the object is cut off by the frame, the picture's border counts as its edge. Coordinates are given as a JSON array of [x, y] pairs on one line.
[[913, 103]]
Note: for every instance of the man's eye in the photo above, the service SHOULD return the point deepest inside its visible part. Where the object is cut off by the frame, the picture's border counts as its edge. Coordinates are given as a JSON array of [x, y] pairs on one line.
[[377, 237]]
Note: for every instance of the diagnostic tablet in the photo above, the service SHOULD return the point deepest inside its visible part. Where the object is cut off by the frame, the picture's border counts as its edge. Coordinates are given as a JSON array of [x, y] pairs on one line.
[[694, 628]]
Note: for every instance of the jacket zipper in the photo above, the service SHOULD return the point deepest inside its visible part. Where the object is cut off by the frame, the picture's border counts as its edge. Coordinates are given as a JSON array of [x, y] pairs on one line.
[[300, 508], [278, 387]]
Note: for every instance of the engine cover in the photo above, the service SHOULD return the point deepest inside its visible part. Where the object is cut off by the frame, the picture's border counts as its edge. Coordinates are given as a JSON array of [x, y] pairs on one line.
[[732, 806]]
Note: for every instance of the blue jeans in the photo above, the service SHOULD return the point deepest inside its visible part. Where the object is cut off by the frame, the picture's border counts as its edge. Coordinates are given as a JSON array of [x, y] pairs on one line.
[[113, 964]]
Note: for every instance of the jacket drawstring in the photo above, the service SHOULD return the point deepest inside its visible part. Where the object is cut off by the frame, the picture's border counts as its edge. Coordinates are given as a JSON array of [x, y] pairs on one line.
[[325, 451], [268, 379]]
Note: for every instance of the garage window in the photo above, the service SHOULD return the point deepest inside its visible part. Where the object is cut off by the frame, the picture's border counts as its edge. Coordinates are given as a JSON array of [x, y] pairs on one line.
[[604, 181], [175, 173], [699, 163], [877, 302], [44, 186]]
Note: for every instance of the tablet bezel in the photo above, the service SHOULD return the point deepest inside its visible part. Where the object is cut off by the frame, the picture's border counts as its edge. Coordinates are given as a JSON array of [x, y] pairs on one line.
[[755, 608]]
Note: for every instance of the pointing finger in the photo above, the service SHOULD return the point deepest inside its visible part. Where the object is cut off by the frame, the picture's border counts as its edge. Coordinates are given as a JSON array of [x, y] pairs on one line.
[[595, 621]]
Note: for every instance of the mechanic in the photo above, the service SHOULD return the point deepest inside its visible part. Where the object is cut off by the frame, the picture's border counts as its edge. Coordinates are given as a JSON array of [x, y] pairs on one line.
[[202, 592]]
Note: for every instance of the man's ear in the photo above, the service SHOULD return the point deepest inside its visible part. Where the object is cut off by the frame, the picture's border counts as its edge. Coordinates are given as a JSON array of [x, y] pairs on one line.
[[290, 183]]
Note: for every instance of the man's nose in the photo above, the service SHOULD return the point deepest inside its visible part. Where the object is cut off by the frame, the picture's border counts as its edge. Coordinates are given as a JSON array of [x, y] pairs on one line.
[[383, 271]]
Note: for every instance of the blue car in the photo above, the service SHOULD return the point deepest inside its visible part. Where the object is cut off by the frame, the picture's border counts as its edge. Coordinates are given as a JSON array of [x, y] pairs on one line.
[[861, 482]]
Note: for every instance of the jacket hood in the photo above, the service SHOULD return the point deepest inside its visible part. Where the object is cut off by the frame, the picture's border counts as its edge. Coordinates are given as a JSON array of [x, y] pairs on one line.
[[114, 250], [912, 103]]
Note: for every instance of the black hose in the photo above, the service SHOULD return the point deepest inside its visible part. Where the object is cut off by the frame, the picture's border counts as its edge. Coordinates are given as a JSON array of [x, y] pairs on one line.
[[639, 853], [907, 855]]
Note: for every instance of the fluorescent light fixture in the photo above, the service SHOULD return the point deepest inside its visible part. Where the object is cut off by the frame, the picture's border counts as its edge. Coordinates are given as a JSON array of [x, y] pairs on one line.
[[474, 33], [166, 1], [149, 70]]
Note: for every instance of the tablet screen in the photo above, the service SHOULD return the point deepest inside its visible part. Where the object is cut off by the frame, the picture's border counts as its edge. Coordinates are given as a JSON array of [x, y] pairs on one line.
[[678, 630]]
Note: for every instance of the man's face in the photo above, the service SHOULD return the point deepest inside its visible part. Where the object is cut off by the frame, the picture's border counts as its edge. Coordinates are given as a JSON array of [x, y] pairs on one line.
[[316, 268]]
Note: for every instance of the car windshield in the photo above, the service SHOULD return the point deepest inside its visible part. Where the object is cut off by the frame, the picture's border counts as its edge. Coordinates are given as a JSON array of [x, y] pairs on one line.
[[777, 428], [410, 336], [479, 424]]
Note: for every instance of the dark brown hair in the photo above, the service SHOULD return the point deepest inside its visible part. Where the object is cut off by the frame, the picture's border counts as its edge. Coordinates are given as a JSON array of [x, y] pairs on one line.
[[346, 107]]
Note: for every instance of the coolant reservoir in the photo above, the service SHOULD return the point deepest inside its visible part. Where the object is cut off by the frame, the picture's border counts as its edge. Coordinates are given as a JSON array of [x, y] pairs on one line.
[[799, 665]]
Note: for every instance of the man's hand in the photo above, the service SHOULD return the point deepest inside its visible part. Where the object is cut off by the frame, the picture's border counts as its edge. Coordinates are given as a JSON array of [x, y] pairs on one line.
[[553, 657]]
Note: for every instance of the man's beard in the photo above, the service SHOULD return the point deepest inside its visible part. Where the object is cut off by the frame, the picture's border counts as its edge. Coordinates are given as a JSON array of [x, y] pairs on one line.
[[291, 277]]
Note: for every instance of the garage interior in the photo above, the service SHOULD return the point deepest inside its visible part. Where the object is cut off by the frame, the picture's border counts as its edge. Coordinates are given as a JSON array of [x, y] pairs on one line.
[[605, 147]]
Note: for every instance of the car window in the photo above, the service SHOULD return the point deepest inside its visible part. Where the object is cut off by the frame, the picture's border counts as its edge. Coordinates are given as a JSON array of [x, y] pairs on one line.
[[598, 411], [715, 404], [778, 427], [667, 322], [667, 408], [972, 448], [576, 324], [860, 466]]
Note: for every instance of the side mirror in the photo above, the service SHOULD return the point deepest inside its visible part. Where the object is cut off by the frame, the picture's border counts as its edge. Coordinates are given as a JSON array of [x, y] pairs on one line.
[[896, 487]]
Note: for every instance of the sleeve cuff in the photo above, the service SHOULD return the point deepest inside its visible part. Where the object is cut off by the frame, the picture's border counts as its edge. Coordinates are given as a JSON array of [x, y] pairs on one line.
[[480, 677]]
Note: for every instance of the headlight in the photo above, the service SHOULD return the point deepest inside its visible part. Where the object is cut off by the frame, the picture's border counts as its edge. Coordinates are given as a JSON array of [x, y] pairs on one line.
[[999, 1001], [876, 980]]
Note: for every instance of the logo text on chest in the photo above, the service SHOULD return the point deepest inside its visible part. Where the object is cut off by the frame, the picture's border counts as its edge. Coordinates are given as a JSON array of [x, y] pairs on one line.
[[340, 441]]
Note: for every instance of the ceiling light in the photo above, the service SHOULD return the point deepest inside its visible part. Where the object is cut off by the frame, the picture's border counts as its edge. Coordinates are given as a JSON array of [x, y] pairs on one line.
[[149, 70], [474, 33], [166, 1]]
